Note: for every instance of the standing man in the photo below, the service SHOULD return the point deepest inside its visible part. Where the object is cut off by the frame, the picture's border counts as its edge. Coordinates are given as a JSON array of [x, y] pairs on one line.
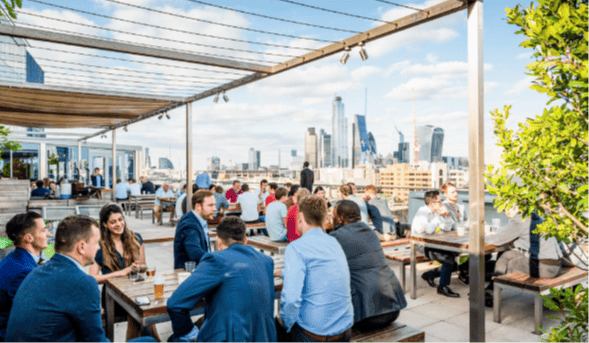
[[97, 179], [163, 193], [59, 302], [347, 193], [191, 241], [276, 217], [234, 192], [248, 204], [387, 222], [28, 233], [426, 221], [316, 301], [147, 186], [203, 180], [238, 286], [307, 177]]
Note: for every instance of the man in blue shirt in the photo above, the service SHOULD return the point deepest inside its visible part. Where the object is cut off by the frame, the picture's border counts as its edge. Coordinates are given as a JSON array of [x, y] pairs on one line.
[[28, 232], [163, 193], [276, 216], [221, 203], [316, 301], [40, 191], [203, 180], [122, 190]]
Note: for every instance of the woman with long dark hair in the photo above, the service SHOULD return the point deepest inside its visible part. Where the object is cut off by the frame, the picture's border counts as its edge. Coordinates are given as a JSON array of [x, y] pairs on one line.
[[120, 250]]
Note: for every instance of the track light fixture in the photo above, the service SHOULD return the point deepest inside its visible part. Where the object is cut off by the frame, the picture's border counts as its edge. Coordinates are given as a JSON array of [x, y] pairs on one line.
[[125, 129], [160, 117], [216, 100], [167, 116], [346, 55], [363, 53], [225, 97]]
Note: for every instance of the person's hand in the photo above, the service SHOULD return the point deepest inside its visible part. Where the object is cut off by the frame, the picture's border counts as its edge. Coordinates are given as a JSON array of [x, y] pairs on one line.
[[366, 197], [442, 211], [278, 273]]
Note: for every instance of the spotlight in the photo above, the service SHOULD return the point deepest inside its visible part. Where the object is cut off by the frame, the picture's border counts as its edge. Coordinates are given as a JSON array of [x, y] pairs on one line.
[[160, 117], [363, 52], [346, 55], [216, 100], [167, 116], [225, 97], [125, 129]]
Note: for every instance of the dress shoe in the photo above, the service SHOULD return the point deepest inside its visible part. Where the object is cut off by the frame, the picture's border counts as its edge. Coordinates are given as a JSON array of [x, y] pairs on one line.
[[448, 292], [463, 277], [429, 277]]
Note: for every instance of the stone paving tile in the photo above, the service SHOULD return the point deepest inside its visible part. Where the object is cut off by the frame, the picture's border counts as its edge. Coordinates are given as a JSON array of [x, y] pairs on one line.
[[432, 338], [448, 332], [437, 311], [463, 321], [514, 334], [416, 320]]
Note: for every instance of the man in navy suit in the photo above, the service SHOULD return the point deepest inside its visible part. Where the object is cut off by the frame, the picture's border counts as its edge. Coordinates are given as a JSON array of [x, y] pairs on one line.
[[28, 233], [238, 286], [97, 179], [192, 241], [58, 301]]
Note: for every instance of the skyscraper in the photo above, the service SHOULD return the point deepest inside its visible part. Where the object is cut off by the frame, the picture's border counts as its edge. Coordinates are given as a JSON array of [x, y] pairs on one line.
[[165, 163], [214, 163], [254, 159], [311, 147], [339, 138], [324, 149], [402, 155], [147, 158], [431, 140]]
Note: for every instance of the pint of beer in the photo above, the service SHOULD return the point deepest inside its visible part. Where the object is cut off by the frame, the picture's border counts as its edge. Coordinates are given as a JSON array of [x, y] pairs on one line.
[[158, 286], [150, 272]]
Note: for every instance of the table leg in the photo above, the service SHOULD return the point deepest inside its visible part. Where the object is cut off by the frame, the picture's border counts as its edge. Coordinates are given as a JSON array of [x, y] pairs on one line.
[[538, 309], [413, 272], [110, 317]]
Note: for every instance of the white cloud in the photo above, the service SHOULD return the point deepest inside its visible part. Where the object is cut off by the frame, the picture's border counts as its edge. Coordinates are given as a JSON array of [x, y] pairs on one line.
[[431, 58], [520, 86], [364, 71], [424, 89], [490, 85], [397, 66], [451, 69]]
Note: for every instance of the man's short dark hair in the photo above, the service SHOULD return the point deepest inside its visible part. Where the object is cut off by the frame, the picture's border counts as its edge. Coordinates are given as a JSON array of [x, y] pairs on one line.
[[314, 210], [263, 181], [212, 187], [73, 229], [288, 184], [293, 190], [245, 187], [236, 181], [199, 196], [195, 188], [21, 224], [273, 185], [219, 189], [95, 169], [306, 164], [349, 211], [280, 193], [430, 196], [346, 190], [39, 183], [231, 230]]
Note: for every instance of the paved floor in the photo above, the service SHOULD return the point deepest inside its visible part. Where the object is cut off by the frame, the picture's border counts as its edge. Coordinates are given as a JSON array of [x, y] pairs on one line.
[[443, 319]]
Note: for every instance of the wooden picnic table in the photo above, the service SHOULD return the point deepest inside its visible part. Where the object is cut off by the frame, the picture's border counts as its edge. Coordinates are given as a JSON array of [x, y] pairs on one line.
[[135, 200], [123, 291], [171, 203], [232, 210], [446, 240]]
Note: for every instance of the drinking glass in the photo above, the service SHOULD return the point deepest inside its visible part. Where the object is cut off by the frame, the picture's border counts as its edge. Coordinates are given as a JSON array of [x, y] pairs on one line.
[[190, 266], [496, 224], [150, 272], [142, 268], [134, 273], [158, 286]]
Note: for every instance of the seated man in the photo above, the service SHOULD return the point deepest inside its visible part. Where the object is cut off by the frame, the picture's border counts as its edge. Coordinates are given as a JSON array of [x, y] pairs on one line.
[[292, 215], [40, 191], [191, 241], [238, 286], [426, 221], [163, 193], [122, 191], [233, 192], [316, 302], [249, 205], [347, 193], [276, 217], [221, 204], [29, 235], [134, 187], [387, 222], [262, 193], [179, 202], [58, 301], [377, 294], [272, 187]]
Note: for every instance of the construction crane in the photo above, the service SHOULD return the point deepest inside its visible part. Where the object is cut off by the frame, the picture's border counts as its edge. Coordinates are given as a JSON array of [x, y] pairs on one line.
[[401, 136]]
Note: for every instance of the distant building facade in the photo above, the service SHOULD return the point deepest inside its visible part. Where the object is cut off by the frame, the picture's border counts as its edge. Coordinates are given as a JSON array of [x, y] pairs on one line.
[[324, 149], [404, 175], [254, 159], [431, 141], [311, 149], [165, 163], [339, 140], [214, 163]]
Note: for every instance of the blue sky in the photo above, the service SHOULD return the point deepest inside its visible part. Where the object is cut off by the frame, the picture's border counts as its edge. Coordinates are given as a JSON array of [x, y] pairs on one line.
[[274, 113]]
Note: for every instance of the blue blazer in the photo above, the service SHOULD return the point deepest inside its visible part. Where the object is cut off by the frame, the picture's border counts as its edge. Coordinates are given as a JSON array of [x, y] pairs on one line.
[[238, 286], [94, 183], [190, 241], [57, 302], [13, 270]]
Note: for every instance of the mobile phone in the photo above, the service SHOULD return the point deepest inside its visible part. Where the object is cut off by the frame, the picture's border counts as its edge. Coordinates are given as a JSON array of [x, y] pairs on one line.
[[142, 301]]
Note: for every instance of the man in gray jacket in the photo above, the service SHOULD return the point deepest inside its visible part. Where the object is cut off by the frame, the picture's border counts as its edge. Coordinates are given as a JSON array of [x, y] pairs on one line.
[[377, 295]]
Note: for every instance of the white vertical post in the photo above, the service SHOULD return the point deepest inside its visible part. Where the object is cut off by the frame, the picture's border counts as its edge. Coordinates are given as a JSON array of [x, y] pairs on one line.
[[476, 143], [114, 165], [11, 164], [189, 204], [79, 161]]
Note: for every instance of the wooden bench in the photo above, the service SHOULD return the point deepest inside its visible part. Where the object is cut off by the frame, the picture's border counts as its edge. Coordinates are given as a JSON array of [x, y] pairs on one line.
[[251, 229], [398, 252], [534, 286], [267, 246], [395, 332], [142, 205]]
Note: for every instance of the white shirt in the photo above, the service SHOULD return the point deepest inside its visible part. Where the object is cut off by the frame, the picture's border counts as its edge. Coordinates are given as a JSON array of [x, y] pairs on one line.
[[135, 188], [427, 222], [262, 199], [179, 201], [249, 206]]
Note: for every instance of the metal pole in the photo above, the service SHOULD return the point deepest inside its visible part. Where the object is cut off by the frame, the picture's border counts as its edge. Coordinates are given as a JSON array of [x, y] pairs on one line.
[[188, 157], [476, 162], [79, 161], [11, 164], [114, 165]]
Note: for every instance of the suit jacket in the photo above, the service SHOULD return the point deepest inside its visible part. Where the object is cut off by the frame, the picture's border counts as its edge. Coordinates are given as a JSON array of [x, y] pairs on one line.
[[13, 268], [148, 187], [57, 302], [238, 286], [190, 241], [307, 179], [375, 288], [93, 178]]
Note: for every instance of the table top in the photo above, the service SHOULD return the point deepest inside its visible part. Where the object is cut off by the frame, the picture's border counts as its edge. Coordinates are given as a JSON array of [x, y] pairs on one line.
[[449, 239], [142, 196], [266, 243], [169, 201], [128, 290]]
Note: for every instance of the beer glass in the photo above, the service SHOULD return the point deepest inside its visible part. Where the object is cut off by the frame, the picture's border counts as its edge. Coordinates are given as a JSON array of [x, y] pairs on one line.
[[158, 286], [150, 272]]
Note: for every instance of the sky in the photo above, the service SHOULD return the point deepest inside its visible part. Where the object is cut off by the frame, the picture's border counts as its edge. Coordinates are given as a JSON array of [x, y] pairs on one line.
[[274, 113]]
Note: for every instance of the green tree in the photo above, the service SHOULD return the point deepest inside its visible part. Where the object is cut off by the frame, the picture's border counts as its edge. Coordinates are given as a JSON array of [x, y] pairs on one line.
[[548, 153], [5, 144], [10, 5]]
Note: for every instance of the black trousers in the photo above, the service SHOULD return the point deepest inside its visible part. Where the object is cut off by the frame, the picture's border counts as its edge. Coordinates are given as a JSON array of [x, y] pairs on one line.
[[376, 322]]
